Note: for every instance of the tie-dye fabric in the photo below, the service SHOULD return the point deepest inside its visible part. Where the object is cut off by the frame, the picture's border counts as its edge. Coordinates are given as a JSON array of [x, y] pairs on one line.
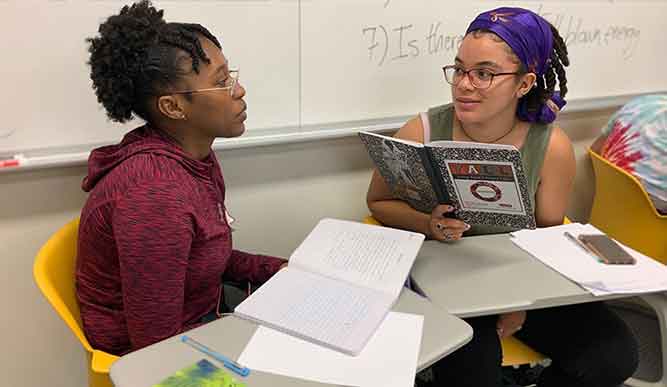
[[637, 142]]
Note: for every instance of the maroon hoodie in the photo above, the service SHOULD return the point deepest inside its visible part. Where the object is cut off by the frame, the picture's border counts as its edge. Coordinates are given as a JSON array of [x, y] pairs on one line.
[[153, 243]]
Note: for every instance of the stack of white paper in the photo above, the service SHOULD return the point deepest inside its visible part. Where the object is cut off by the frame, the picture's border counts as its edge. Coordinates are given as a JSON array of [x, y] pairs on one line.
[[389, 359], [550, 246]]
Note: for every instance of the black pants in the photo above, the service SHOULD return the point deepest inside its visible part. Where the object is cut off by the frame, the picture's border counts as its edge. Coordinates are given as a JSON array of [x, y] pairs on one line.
[[588, 344]]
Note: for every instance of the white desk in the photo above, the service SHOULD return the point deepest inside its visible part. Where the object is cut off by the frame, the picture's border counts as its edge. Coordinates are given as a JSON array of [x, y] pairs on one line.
[[442, 334], [488, 274]]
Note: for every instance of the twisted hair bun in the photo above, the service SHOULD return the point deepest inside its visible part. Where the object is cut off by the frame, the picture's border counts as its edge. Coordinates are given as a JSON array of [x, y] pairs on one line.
[[136, 56], [117, 54]]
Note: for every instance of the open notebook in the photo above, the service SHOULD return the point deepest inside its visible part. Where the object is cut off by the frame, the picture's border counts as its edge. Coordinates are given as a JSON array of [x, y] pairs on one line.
[[339, 286]]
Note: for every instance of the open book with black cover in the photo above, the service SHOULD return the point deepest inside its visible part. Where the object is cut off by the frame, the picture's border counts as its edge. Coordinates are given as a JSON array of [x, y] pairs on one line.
[[485, 183], [340, 284]]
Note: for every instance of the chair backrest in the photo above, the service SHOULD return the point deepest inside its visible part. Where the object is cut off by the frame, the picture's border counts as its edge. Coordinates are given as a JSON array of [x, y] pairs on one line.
[[54, 271], [623, 210]]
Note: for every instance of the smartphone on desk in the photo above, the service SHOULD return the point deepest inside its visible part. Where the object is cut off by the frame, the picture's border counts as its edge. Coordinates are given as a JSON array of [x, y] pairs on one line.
[[606, 249]]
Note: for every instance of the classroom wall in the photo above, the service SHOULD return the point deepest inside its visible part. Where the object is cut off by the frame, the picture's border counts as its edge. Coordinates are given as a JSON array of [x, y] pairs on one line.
[[276, 193]]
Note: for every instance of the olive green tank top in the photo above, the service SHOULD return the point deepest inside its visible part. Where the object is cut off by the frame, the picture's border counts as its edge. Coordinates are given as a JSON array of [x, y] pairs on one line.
[[441, 121]]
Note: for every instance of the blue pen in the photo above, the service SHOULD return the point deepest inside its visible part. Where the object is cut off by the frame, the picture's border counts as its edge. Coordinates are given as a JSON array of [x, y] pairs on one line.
[[577, 242], [228, 363]]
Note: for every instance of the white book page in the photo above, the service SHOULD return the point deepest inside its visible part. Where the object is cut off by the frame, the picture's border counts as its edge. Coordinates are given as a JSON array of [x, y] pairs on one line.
[[401, 140], [550, 246], [469, 144], [389, 359], [371, 256], [319, 309]]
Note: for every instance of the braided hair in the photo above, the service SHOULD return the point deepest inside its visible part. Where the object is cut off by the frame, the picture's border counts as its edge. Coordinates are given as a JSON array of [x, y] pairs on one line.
[[138, 55], [545, 85]]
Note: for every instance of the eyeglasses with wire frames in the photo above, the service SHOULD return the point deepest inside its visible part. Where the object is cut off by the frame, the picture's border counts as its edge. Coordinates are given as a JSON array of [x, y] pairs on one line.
[[479, 78], [229, 84]]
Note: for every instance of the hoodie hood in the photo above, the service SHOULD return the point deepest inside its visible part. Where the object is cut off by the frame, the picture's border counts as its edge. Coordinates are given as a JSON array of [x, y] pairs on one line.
[[143, 140]]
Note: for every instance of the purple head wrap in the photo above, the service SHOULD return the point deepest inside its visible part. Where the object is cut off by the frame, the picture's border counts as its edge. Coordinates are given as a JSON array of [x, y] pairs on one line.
[[530, 37]]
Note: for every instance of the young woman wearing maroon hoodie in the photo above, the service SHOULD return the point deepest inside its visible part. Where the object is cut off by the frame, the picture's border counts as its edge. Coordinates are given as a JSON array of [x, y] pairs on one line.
[[154, 238]]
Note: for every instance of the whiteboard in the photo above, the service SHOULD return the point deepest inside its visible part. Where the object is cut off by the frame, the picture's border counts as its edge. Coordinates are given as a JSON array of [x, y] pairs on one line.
[[49, 101], [387, 57], [308, 66]]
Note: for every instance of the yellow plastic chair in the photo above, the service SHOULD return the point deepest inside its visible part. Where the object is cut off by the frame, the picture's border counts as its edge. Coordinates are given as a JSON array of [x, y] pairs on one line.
[[53, 270], [515, 352], [624, 211]]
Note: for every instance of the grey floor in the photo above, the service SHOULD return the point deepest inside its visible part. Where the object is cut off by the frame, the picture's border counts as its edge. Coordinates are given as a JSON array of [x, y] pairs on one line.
[[642, 321]]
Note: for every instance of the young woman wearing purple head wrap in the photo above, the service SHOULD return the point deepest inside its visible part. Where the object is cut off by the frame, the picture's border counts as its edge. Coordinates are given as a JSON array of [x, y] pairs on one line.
[[503, 84]]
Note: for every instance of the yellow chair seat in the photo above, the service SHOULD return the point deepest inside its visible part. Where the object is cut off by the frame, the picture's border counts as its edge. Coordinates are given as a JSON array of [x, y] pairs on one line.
[[101, 361], [371, 220], [515, 352], [54, 270]]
